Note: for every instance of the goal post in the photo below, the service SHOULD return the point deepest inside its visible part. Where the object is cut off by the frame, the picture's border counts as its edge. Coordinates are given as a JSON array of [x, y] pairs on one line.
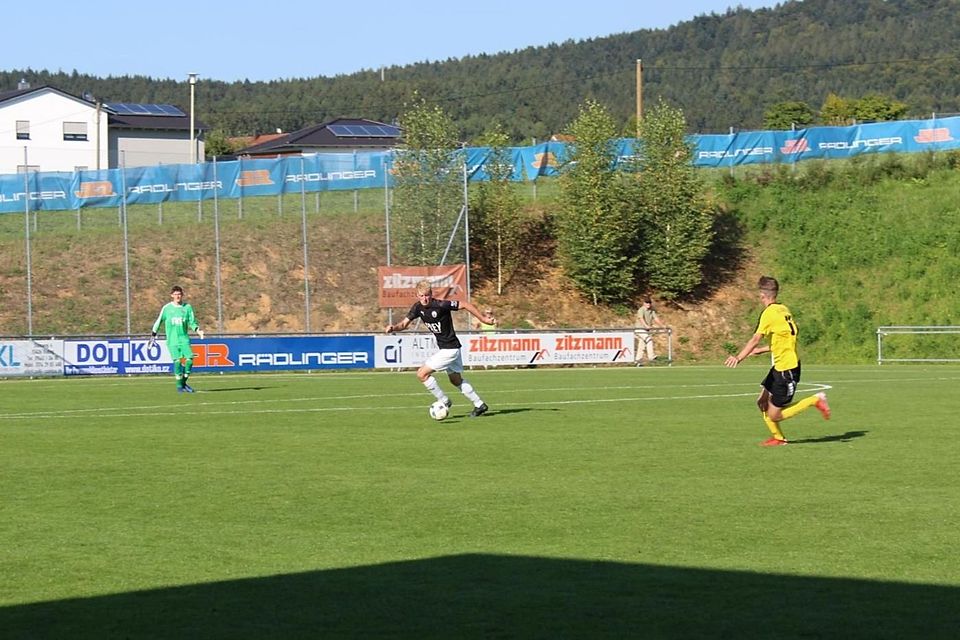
[[906, 343]]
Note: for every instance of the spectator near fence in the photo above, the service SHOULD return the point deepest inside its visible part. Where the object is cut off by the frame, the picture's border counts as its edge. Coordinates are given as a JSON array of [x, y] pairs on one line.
[[647, 319]]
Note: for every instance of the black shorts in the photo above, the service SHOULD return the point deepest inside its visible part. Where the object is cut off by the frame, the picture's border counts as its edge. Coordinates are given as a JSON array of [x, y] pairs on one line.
[[781, 385]]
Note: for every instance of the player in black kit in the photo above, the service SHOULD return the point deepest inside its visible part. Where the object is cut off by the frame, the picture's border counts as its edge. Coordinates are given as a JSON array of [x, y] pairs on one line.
[[435, 314]]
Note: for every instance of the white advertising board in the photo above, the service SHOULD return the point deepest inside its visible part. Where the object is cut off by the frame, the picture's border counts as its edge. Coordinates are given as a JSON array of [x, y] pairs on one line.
[[31, 357], [511, 349]]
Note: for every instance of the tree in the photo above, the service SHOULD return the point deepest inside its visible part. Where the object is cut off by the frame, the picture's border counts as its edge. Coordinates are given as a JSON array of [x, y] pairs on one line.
[[874, 107], [596, 232], [786, 115], [676, 223], [216, 144], [498, 226], [427, 186], [837, 111]]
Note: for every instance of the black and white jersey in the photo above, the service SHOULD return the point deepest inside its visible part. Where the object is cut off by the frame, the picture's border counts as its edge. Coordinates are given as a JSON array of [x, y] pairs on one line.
[[436, 316]]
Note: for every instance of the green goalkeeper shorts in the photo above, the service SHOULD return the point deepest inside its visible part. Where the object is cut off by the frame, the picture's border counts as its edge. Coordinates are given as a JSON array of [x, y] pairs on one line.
[[180, 350]]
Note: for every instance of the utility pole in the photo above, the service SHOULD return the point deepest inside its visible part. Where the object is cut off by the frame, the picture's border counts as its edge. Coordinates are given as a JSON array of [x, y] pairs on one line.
[[639, 94], [98, 134], [192, 78]]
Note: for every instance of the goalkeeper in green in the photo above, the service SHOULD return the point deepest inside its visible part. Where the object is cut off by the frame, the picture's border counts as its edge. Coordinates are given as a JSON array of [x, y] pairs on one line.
[[178, 320]]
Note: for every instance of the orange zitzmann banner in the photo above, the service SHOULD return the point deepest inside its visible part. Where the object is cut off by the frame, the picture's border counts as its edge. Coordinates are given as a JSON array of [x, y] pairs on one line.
[[398, 285]]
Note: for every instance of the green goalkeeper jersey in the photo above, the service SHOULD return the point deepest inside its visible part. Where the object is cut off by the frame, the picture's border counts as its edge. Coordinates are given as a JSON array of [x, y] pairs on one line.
[[178, 320]]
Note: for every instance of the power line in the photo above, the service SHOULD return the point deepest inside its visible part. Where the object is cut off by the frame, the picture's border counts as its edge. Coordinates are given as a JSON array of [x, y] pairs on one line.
[[815, 65]]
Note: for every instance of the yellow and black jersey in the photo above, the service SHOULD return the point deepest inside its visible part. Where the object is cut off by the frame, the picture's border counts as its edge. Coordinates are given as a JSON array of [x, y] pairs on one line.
[[777, 325]]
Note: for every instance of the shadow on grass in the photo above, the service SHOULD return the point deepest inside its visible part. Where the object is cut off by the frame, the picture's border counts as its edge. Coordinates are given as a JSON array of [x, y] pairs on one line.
[[495, 412], [486, 596], [842, 437], [234, 389], [503, 412]]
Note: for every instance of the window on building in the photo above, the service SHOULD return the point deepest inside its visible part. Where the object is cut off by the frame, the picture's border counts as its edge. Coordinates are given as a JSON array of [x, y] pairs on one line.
[[74, 130], [80, 168], [23, 129], [30, 168]]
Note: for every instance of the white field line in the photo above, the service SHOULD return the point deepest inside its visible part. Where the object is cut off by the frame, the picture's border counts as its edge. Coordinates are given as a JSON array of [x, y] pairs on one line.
[[335, 376], [243, 406], [157, 410]]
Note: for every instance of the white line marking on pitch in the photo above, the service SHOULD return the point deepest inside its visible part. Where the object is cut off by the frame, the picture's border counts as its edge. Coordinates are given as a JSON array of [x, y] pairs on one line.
[[132, 412]]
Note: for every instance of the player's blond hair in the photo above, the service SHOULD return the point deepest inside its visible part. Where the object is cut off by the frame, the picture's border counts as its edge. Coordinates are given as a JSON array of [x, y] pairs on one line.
[[424, 286]]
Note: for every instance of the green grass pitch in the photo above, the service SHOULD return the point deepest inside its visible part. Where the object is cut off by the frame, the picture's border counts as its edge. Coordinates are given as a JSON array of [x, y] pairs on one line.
[[589, 502]]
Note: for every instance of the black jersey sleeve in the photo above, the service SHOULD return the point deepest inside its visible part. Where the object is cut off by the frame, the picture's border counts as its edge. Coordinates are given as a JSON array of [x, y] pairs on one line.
[[414, 312]]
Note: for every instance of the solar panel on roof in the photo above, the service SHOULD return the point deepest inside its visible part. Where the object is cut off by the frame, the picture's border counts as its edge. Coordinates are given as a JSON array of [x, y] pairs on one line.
[[170, 110], [137, 109], [364, 131]]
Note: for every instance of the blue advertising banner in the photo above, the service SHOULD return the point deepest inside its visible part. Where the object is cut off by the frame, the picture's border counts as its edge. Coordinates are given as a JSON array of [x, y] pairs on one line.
[[826, 143], [220, 355], [369, 170], [284, 353], [477, 158], [42, 190], [543, 159]]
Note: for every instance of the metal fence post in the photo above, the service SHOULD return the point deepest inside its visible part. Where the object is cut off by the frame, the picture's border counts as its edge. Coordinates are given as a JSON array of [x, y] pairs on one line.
[[26, 223], [216, 242], [126, 241], [306, 268]]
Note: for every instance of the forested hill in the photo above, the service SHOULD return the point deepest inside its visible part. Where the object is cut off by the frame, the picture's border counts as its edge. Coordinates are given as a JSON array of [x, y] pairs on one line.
[[722, 69]]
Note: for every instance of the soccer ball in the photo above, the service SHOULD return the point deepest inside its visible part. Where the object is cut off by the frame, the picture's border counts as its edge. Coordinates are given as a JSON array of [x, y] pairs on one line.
[[439, 411]]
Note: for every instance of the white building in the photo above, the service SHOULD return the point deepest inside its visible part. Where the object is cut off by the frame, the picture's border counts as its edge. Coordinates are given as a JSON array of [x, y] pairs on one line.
[[45, 129]]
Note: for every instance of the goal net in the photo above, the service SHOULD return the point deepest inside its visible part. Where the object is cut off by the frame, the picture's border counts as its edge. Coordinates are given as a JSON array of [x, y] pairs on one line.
[[918, 344]]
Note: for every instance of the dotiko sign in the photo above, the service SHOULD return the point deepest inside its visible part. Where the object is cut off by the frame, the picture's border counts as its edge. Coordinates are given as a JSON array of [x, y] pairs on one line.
[[112, 357]]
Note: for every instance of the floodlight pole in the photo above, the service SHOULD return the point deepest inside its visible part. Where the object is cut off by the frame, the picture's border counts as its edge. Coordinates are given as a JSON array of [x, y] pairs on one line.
[[193, 142]]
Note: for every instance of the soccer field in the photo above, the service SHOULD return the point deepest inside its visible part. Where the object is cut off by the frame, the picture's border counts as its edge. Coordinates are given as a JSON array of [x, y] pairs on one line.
[[589, 502]]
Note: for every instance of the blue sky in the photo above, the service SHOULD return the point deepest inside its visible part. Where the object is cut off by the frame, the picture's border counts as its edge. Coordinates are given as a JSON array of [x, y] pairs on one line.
[[239, 40]]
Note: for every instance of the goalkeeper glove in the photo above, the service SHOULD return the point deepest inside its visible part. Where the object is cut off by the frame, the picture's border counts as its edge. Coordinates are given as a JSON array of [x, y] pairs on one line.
[[200, 333], [153, 339]]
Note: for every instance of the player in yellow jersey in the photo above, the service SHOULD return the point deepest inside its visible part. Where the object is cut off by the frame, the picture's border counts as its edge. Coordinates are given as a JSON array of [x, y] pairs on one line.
[[778, 326]]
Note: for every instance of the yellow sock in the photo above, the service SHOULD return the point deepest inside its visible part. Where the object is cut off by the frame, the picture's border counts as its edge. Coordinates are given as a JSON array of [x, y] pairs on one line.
[[774, 427], [796, 408]]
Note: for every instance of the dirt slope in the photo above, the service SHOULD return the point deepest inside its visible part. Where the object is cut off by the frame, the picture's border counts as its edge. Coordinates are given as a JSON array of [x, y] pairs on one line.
[[78, 285]]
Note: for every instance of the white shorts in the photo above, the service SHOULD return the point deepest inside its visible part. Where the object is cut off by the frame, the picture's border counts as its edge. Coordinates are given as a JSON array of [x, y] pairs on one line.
[[448, 360]]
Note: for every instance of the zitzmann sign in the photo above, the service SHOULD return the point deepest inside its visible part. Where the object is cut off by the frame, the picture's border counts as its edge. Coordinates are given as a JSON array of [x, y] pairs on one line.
[[398, 285], [510, 349], [547, 348]]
